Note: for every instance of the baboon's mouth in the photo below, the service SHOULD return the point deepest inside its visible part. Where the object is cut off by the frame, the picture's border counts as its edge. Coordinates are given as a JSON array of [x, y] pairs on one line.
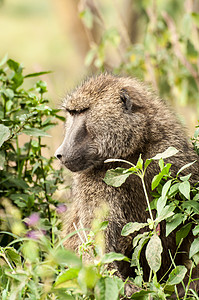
[[77, 164]]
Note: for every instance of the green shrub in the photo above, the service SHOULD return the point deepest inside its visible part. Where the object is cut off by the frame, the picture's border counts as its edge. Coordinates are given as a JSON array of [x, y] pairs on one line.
[[27, 178], [176, 202]]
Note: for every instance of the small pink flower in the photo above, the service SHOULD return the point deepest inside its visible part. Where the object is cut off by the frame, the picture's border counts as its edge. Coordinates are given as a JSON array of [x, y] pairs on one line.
[[61, 208], [32, 220], [35, 234]]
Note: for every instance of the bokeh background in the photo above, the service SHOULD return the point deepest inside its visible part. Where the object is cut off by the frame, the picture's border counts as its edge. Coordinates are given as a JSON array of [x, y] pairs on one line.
[[75, 38]]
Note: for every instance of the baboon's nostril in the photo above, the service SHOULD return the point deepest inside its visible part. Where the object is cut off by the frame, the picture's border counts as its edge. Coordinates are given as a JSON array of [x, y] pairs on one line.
[[59, 156], [58, 153]]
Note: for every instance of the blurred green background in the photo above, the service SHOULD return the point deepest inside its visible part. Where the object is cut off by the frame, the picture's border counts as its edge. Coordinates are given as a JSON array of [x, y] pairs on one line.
[[38, 34]]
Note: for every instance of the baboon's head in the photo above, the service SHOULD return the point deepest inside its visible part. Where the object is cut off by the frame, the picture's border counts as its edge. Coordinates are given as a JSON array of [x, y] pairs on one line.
[[106, 118]]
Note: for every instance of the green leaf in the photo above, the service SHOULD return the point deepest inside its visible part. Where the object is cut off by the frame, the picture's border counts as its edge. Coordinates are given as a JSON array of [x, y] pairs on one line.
[[171, 151], [87, 277], [4, 134], [13, 65], [111, 289], [185, 178], [161, 164], [90, 56], [161, 204], [177, 275], [165, 213], [35, 132], [18, 182], [100, 289], [120, 284], [67, 275], [87, 17], [147, 163], [196, 258], [43, 107], [107, 288], [195, 18], [37, 74], [31, 251], [138, 237], [61, 294], [173, 223], [116, 177], [103, 225], [195, 230], [196, 197], [183, 232], [41, 86], [138, 249], [194, 248], [132, 227], [166, 188], [113, 256], [191, 204], [185, 167], [2, 159], [67, 258], [173, 190], [9, 94], [112, 36], [184, 188], [139, 163], [13, 255], [153, 252], [156, 180], [4, 60], [141, 295], [36, 166]]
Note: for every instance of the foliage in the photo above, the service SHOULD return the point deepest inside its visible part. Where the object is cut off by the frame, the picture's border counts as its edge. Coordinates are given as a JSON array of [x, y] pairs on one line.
[[44, 269], [27, 178], [176, 202], [165, 54]]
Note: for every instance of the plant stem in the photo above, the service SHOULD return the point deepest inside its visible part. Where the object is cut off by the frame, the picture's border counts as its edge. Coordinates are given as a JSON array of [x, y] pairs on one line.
[[150, 275], [187, 287], [119, 160], [147, 198], [176, 291], [5, 258]]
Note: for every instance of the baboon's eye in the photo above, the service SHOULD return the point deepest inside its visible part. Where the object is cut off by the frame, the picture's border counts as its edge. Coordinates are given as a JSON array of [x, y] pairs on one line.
[[125, 99], [74, 112]]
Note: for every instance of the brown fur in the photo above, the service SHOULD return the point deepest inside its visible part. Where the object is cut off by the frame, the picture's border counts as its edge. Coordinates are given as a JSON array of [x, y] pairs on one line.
[[118, 117]]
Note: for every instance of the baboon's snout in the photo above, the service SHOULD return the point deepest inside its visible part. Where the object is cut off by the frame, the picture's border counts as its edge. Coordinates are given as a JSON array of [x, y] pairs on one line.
[[59, 153]]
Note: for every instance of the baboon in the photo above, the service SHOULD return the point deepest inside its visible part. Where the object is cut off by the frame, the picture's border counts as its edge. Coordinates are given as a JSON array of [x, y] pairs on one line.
[[119, 117]]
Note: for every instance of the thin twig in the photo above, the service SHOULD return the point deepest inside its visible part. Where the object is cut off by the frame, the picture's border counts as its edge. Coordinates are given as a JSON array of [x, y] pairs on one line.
[[83, 230], [176, 46], [147, 198], [151, 72], [78, 233], [123, 27]]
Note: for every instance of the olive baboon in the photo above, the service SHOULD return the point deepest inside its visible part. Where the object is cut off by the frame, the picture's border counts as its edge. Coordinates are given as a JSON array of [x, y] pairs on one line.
[[118, 117]]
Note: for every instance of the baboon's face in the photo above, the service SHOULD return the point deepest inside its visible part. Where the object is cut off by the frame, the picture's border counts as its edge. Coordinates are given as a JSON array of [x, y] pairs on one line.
[[102, 122]]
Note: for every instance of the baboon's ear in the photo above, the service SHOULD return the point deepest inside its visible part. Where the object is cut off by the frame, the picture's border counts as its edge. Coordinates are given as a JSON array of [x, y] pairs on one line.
[[124, 96], [131, 99]]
